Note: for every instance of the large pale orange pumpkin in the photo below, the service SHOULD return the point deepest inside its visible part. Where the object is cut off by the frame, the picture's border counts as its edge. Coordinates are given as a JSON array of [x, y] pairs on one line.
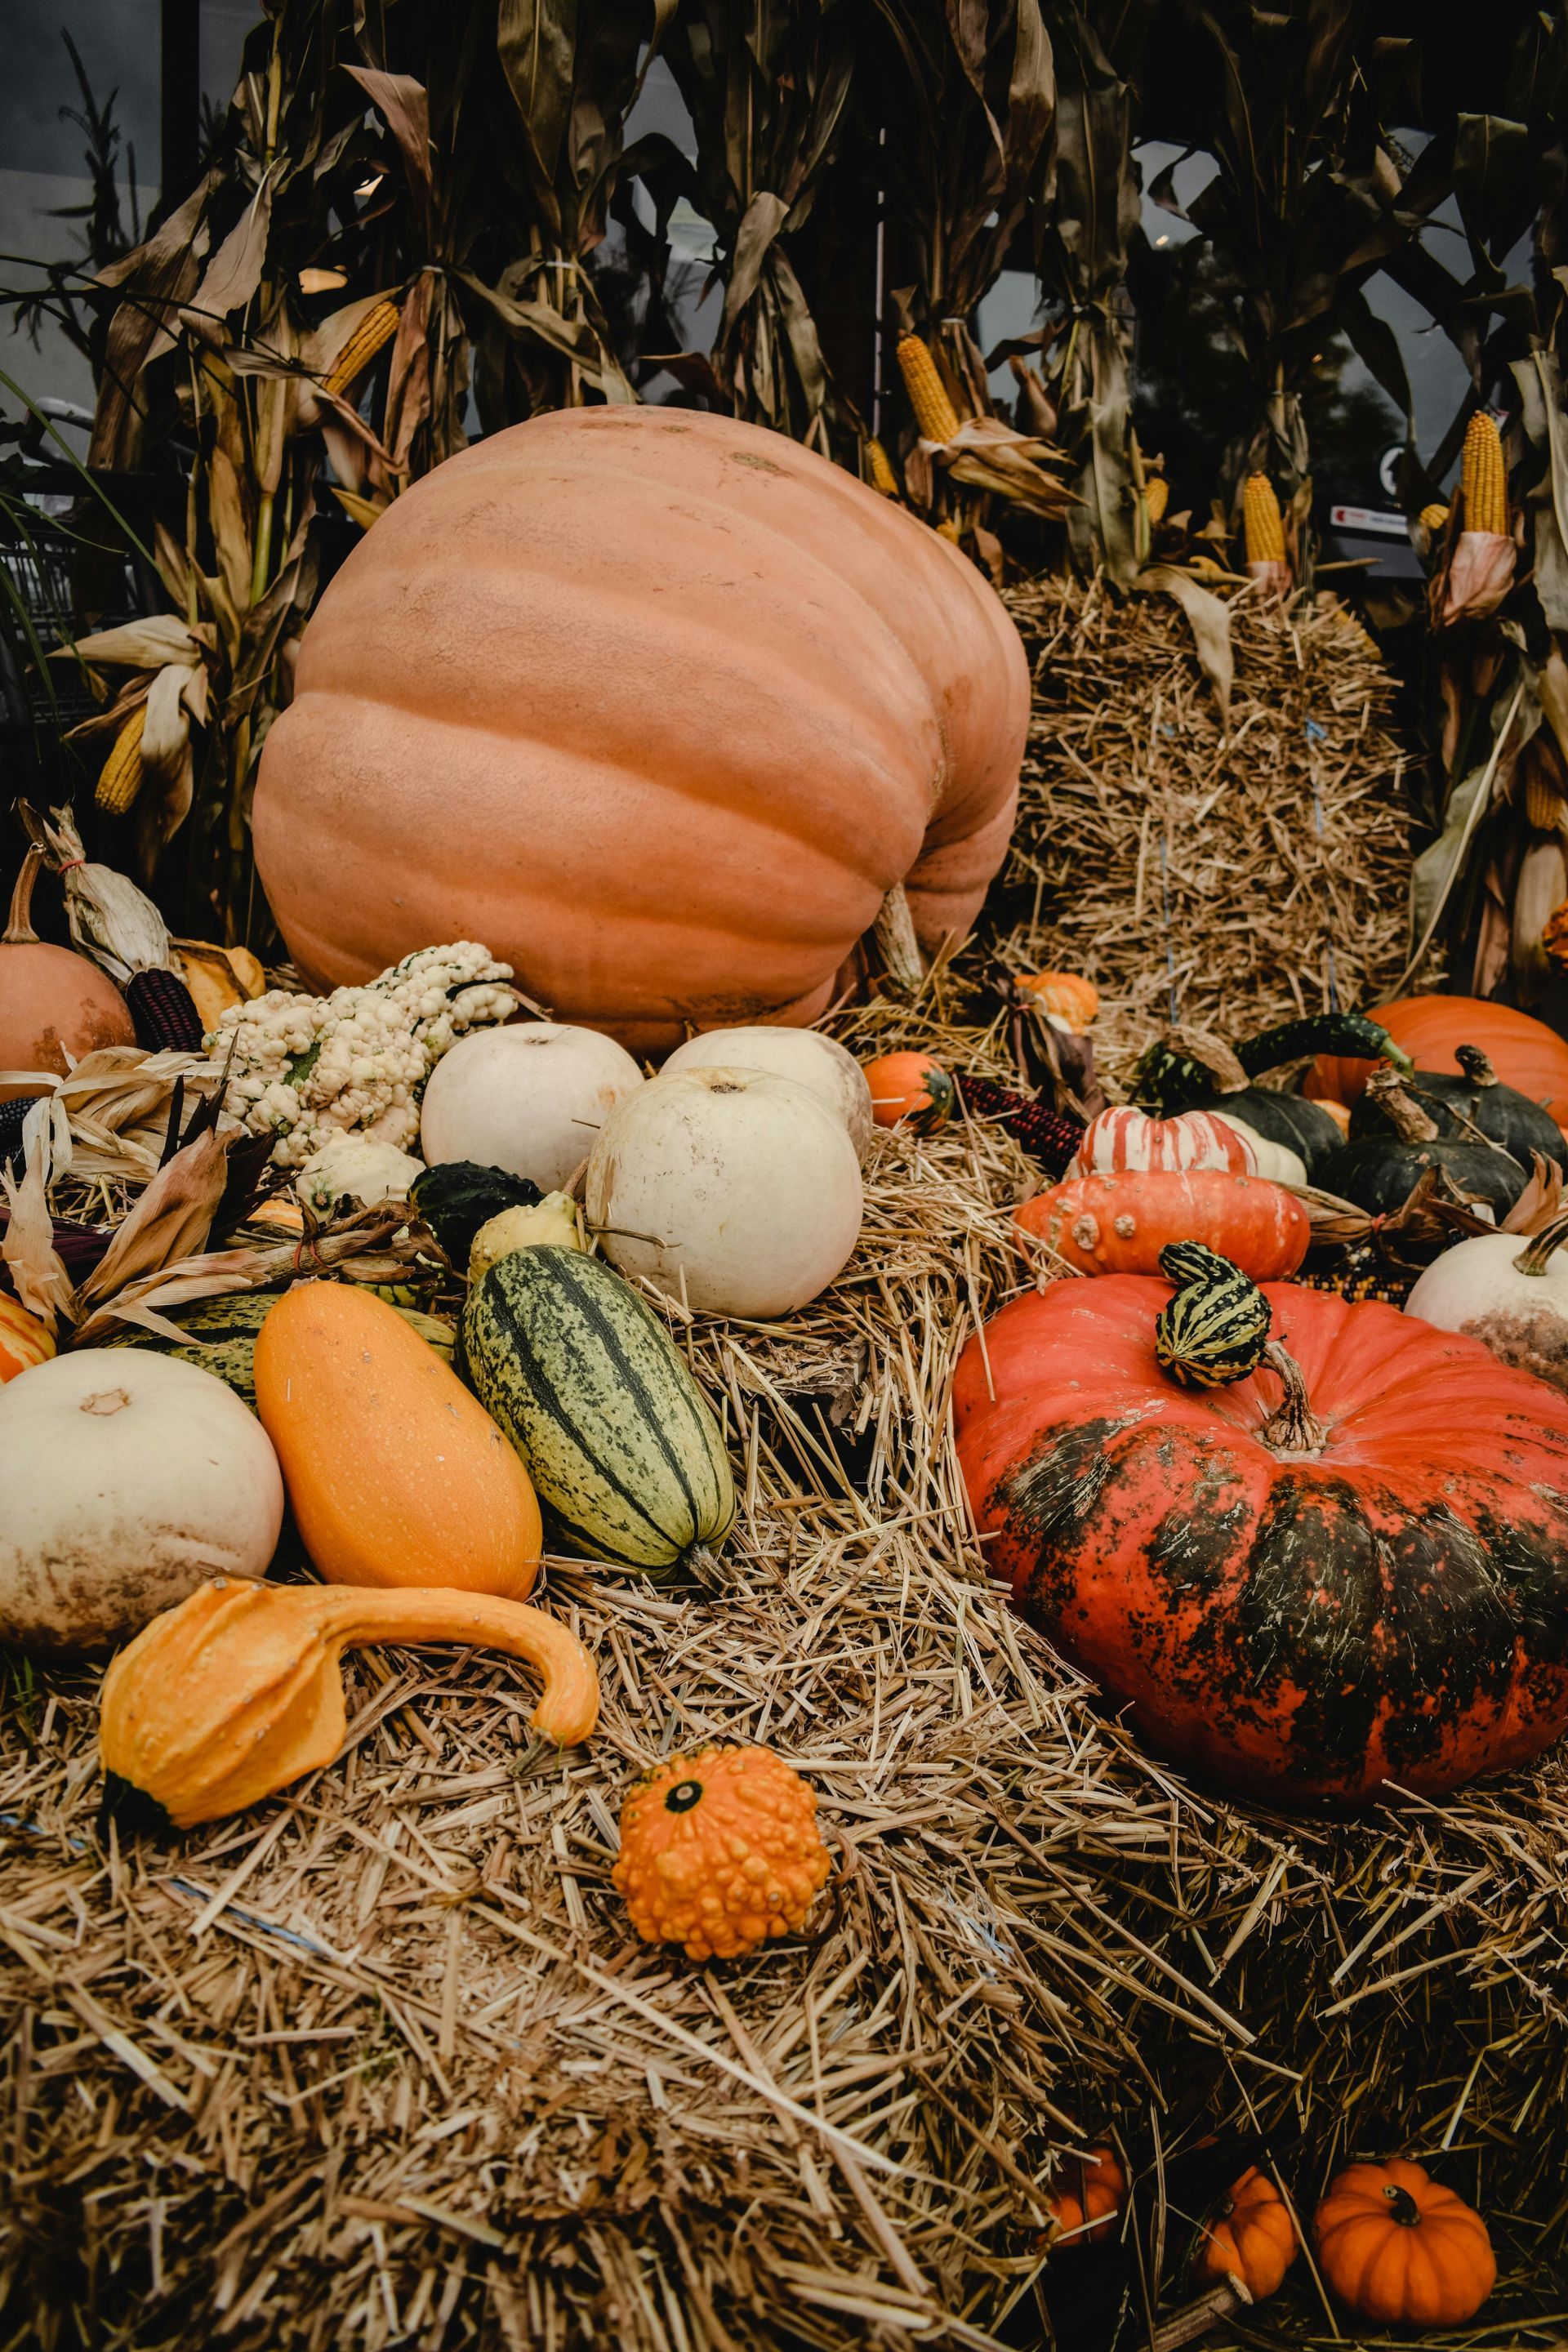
[[657, 706]]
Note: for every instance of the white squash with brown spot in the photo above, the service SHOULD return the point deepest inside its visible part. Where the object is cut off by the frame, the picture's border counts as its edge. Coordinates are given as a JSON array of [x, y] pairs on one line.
[[1508, 1292], [734, 1190], [125, 1479]]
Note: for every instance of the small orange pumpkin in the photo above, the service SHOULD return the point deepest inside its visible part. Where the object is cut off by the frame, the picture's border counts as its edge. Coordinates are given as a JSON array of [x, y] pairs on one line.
[[720, 1850], [24, 1341], [1249, 2236], [1086, 2207], [1068, 994], [1397, 2246], [910, 1089]]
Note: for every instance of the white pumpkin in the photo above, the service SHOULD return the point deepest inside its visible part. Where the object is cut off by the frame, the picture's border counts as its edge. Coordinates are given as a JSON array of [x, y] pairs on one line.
[[735, 1190], [530, 1099], [358, 1166], [1125, 1138], [1507, 1292], [823, 1066], [1275, 1161], [126, 1477]]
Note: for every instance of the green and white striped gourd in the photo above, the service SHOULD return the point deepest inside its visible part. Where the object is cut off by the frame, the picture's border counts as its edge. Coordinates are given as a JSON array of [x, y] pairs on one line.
[[1216, 1328], [621, 1444]]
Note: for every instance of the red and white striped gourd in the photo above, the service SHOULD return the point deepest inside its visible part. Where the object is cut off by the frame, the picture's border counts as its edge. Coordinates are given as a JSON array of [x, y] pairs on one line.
[[1130, 1138]]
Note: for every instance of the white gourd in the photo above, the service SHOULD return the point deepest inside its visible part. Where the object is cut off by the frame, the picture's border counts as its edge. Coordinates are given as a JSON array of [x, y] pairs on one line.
[[358, 1166], [820, 1064], [734, 1190], [530, 1099], [1507, 1292], [1275, 1161], [126, 1477]]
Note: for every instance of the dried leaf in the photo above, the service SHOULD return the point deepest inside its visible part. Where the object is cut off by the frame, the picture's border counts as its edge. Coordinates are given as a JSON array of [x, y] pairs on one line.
[[1209, 619]]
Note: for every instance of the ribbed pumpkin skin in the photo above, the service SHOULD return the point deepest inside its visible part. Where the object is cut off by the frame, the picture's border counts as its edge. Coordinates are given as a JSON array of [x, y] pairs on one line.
[[616, 1436], [1194, 1138], [395, 1475], [1394, 1609], [1397, 2246], [658, 706], [1523, 1051]]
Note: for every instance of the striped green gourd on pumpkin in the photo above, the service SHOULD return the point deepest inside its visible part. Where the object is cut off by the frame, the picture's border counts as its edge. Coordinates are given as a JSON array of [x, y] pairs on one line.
[[1214, 1328], [622, 1446], [222, 1337]]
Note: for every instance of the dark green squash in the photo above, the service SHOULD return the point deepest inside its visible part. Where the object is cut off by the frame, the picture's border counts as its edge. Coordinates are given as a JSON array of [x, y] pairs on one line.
[[1503, 1115], [455, 1197], [1320, 1033], [1379, 1172]]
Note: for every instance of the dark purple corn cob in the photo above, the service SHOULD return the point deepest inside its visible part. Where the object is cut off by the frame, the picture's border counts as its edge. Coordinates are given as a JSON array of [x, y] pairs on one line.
[[164, 1012], [12, 1115], [1051, 1137]]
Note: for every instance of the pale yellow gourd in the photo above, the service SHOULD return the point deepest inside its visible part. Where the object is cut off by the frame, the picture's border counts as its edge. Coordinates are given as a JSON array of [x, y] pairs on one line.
[[551, 1222]]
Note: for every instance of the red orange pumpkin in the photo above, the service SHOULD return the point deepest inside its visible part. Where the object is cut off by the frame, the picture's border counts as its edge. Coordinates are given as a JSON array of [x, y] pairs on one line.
[[1523, 1051], [1118, 1223], [1090, 2199], [1310, 1614], [1397, 2246], [1249, 2236], [657, 704], [910, 1090]]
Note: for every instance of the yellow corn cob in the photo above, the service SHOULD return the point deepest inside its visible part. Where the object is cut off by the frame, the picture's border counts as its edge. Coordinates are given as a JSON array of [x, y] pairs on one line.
[[1543, 804], [950, 528], [878, 472], [120, 778], [377, 326], [934, 412], [1435, 519], [1265, 528], [1156, 498], [1482, 477]]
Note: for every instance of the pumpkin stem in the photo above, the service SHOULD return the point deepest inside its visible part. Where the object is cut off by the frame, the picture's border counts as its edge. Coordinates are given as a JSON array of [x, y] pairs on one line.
[[1476, 1066], [898, 949], [569, 1703], [1403, 2207], [1406, 1116], [1538, 1252], [19, 931], [1292, 1427]]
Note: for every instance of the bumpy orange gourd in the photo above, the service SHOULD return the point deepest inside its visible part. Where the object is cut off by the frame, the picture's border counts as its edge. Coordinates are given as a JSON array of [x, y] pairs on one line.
[[1250, 2236], [1119, 1221], [395, 1473], [236, 1692], [1068, 994], [1086, 2207], [1397, 2246], [910, 1090], [719, 1851], [657, 704], [24, 1341]]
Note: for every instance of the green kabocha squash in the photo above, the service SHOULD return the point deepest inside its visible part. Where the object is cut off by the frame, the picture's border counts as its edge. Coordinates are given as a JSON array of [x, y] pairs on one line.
[[1378, 1172], [455, 1197], [1476, 1099], [620, 1443], [223, 1336]]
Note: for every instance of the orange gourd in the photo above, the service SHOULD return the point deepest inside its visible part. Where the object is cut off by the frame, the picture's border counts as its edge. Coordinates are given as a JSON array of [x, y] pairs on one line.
[[1398, 2247], [236, 1693], [395, 1473], [1250, 2236], [1118, 1221], [1086, 2207], [55, 1006], [1068, 994], [657, 704], [719, 1851], [24, 1341], [1523, 1051], [910, 1090]]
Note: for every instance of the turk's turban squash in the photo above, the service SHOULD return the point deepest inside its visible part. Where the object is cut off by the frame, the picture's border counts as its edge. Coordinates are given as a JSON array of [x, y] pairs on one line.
[[657, 704], [1367, 1583]]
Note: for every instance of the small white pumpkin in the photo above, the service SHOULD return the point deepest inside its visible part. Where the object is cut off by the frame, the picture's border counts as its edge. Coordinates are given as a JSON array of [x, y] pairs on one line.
[[823, 1066], [530, 1099], [1275, 1161], [1509, 1293], [125, 1478], [550, 1223], [1124, 1137], [735, 1190], [359, 1167]]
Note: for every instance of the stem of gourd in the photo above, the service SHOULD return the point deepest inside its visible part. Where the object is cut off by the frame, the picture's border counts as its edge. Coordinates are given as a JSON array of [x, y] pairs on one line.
[[1196, 2319], [1409, 1121], [1536, 1256], [1293, 1427], [897, 945]]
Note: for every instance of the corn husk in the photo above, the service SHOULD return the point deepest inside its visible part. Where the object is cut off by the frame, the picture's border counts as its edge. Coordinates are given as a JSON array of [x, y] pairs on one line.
[[110, 919]]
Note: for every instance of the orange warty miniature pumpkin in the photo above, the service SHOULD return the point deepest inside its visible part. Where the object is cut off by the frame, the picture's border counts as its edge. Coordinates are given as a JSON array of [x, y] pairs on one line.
[[1397, 2246], [1068, 994], [1249, 2236], [657, 703], [24, 1341], [910, 1089], [719, 1851], [1086, 2207]]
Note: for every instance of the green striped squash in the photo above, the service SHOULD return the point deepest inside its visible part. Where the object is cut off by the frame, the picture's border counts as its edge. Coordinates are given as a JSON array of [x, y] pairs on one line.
[[1216, 1328], [223, 1336], [618, 1440]]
